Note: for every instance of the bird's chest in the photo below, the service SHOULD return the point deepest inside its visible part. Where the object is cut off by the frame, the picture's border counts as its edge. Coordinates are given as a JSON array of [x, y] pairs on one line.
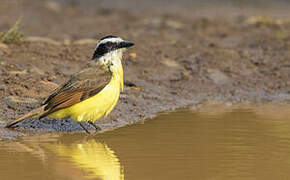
[[100, 104]]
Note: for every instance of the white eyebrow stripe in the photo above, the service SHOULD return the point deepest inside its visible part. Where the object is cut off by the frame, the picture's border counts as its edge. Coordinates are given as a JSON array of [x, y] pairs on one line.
[[114, 40]]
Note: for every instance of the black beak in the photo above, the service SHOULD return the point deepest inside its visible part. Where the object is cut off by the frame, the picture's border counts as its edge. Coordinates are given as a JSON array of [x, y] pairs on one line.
[[125, 44]]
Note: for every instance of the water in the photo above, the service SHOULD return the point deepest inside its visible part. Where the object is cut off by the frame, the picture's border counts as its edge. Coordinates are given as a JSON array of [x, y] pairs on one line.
[[218, 142]]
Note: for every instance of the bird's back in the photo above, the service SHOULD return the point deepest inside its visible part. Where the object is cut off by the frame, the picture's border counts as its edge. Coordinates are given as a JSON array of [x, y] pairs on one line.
[[93, 108]]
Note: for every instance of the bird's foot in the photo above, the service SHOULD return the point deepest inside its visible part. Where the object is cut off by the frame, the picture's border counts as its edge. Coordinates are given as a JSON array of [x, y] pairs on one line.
[[87, 131], [95, 126]]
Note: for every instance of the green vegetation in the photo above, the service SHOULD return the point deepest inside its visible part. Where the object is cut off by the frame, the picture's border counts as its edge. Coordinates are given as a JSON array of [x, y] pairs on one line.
[[13, 35]]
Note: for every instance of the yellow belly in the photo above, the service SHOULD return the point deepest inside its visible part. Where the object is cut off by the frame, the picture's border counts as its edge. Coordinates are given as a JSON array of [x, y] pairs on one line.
[[94, 107]]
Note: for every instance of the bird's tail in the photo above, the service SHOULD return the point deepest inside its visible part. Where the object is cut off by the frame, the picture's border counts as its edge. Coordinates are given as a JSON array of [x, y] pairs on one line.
[[34, 113]]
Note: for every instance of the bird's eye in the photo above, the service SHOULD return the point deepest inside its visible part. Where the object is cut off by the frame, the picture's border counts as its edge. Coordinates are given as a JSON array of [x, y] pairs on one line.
[[104, 48], [109, 45]]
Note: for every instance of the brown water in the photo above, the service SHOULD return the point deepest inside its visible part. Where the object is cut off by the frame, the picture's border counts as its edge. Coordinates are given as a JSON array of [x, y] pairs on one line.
[[215, 143]]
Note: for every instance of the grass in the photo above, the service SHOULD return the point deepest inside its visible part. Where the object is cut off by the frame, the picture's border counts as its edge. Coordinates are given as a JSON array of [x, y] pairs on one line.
[[13, 35]]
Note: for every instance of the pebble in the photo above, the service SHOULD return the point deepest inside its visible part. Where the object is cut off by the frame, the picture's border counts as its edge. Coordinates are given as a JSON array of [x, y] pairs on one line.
[[217, 76], [132, 56], [170, 63]]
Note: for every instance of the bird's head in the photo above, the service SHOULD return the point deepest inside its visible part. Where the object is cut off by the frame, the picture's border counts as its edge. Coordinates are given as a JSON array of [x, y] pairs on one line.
[[110, 47]]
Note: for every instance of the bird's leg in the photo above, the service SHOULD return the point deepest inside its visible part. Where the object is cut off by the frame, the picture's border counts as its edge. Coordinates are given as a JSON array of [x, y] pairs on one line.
[[87, 131], [95, 126]]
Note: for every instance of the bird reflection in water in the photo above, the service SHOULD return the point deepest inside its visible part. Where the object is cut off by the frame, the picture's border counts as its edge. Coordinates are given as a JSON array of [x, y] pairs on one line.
[[69, 157], [95, 158]]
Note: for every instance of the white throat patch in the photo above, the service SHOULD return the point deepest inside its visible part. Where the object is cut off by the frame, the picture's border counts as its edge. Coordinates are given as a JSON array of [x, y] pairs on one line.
[[112, 58]]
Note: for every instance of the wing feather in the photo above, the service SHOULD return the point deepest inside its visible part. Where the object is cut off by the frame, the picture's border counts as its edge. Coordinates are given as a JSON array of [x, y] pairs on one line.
[[79, 87]]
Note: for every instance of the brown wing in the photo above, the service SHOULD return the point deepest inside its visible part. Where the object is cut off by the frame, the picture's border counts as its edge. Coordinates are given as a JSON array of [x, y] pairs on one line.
[[79, 87]]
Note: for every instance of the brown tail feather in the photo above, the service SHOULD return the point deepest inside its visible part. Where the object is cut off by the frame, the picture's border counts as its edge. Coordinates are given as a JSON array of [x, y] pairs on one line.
[[34, 113]]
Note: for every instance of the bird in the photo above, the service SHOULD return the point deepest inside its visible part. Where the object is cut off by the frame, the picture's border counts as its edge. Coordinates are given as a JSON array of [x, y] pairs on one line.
[[90, 93], [97, 159]]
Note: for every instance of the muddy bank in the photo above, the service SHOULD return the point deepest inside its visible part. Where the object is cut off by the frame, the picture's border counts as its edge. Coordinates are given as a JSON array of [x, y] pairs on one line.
[[179, 60]]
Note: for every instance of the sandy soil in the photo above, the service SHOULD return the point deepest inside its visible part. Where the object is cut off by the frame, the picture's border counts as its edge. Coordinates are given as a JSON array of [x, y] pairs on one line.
[[181, 59]]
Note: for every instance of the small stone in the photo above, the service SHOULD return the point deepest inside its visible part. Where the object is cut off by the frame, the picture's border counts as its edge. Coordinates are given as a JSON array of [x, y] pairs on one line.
[[170, 63], [132, 56], [217, 76]]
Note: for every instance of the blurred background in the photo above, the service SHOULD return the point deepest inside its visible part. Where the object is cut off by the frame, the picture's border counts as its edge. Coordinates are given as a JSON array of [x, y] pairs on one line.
[[90, 18]]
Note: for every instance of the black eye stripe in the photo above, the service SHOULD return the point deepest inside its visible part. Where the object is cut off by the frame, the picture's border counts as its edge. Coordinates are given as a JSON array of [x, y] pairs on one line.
[[104, 48]]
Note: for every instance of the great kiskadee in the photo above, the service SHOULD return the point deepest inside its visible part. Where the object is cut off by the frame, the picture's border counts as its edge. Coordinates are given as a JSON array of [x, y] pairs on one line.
[[91, 93]]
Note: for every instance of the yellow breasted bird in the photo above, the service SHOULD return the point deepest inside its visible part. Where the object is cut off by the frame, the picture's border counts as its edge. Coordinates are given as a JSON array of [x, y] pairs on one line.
[[91, 93]]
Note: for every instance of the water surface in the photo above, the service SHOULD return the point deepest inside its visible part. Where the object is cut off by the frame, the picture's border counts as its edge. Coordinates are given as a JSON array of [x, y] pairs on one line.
[[213, 143]]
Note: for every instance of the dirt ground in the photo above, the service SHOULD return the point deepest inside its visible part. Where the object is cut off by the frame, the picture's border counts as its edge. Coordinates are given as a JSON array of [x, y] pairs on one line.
[[182, 57]]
